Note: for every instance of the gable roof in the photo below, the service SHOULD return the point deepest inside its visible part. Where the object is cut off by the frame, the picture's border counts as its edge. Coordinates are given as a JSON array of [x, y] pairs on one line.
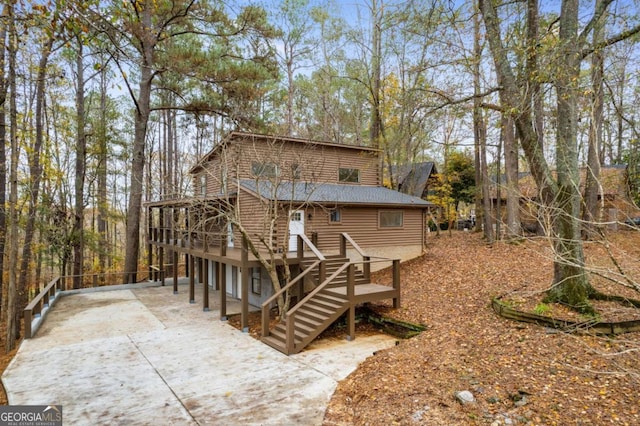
[[326, 193], [413, 178], [236, 136]]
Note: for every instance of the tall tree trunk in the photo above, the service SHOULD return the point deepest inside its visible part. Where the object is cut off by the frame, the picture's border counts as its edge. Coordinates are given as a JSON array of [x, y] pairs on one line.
[[3, 151], [591, 213], [35, 169], [483, 202], [102, 176], [143, 107], [511, 172], [498, 214], [375, 130], [13, 194], [571, 284], [532, 71], [81, 155]]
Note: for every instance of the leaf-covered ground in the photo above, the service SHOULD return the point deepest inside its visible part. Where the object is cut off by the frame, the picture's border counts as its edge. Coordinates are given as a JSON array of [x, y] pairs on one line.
[[519, 373]]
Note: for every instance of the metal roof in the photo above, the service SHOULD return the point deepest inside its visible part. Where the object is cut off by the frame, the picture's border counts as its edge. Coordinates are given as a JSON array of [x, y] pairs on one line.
[[326, 193]]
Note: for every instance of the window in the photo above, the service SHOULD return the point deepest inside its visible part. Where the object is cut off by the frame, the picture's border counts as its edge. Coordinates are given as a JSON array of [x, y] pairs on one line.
[[256, 281], [269, 170], [391, 219], [335, 216], [203, 185], [349, 175]]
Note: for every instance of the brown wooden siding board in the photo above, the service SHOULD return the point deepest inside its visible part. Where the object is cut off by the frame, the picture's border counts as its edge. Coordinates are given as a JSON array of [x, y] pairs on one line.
[[362, 224], [318, 163]]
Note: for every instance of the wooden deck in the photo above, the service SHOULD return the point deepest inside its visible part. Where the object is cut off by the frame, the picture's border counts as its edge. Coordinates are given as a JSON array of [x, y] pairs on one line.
[[367, 292], [228, 255]]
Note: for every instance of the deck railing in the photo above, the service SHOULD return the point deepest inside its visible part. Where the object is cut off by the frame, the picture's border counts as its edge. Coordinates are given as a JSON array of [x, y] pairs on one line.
[[367, 261]]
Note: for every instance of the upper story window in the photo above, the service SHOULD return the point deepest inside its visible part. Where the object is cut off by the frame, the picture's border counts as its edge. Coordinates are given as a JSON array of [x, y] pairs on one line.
[[269, 170], [349, 175], [390, 219], [203, 185]]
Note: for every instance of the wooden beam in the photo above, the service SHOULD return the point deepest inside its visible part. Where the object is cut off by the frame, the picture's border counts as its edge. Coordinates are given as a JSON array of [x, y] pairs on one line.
[[175, 272], [244, 282], [396, 282], [205, 285], [222, 279], [192, 280], [351, 314], [150, 230]]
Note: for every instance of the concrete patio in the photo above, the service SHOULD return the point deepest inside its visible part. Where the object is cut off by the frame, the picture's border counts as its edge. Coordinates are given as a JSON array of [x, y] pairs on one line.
[[147, 356]]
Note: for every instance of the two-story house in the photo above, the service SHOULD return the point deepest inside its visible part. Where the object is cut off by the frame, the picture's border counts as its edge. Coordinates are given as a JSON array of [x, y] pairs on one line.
[[311, 216]]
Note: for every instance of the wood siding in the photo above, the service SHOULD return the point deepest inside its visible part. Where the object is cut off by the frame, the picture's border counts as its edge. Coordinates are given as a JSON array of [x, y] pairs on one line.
[[317, 163], [253, 218], [362, 224]]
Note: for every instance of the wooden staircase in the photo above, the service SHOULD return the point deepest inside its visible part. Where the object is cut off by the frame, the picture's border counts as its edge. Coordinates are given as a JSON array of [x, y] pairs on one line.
[[310, 320], [338, 286], [332, 264]]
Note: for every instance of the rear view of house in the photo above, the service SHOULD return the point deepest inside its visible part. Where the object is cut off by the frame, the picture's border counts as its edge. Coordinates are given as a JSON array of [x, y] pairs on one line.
[[279, 210]]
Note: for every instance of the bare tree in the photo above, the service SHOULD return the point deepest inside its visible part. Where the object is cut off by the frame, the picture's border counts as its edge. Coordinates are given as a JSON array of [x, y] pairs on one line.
[[591, 209], [571, 284], [282, 185], [12, 308]]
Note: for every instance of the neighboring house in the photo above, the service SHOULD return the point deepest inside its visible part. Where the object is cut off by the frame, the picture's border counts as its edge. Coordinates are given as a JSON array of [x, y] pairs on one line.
[[416, 179], [613, 196], [319, 207]]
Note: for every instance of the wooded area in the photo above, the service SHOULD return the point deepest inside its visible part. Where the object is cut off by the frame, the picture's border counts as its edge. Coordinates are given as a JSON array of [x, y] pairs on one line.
[[106, 105]]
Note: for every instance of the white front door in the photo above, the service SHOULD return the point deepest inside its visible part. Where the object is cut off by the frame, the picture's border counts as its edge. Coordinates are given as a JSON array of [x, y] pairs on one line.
[[296, 227], [229, 235]]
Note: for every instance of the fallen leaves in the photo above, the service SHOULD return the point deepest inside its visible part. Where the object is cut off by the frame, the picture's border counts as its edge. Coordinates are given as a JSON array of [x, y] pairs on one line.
[[467, 347]]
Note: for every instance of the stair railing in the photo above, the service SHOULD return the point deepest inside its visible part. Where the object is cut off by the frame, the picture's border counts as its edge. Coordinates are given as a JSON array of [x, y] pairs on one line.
[[320, 263], [366, 267], [291, 313]]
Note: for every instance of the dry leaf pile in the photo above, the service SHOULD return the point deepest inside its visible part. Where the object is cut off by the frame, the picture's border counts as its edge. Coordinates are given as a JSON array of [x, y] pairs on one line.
[[518, 373]]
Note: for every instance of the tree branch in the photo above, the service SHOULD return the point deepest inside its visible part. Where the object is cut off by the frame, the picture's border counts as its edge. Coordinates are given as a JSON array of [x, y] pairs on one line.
[[611, 41]]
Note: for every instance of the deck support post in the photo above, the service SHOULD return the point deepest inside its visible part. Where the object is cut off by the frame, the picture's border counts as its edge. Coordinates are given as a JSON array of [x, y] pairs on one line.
[[244, 317], [151, 232], [366, 267], [396, 282], [175, 272], [192, 279], [343, 246], [205, 284], [351, 314], [322, 272], [222, 279], [299, 248], [161, 264]]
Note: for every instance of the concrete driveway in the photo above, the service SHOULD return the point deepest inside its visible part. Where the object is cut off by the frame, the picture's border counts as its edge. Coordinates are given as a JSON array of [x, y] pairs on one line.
[[147, 356]]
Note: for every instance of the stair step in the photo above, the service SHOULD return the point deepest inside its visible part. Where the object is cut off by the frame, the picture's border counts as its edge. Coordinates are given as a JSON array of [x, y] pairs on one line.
[[280, 334], [310, 318], [329, 306], [275, 344], [320, 308], [303, 329], [330, 298]]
